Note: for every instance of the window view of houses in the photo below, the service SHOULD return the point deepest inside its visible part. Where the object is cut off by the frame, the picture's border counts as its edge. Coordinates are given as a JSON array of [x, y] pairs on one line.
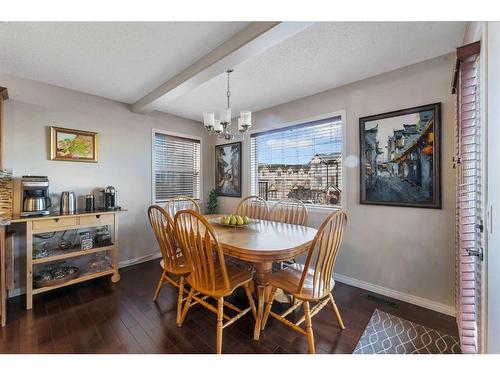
[[309, 168]]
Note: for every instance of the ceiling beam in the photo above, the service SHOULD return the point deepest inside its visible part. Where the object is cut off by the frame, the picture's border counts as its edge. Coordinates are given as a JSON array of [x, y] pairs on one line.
[[249, 42]]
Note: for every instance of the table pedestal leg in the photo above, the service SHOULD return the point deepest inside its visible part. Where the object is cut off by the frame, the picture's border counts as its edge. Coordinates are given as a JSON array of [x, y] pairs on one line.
[[262, 272]]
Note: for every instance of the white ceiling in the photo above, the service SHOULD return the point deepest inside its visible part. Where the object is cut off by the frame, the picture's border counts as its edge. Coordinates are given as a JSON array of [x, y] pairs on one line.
[[324, 56], [125, 61], [122, 61]]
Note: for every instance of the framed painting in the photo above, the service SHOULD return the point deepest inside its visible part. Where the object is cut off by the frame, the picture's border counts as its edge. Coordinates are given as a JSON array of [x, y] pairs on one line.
[[400, 157], [73, 145], [228, 169]]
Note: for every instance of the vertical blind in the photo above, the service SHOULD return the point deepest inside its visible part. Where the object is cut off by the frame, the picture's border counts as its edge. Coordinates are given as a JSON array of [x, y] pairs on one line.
[[469, 209], [176, 167], [306, 157]]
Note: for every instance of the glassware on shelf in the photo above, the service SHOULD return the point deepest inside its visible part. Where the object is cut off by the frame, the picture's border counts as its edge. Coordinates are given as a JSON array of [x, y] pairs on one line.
[[86, 242], [99, 262], [103, 237]]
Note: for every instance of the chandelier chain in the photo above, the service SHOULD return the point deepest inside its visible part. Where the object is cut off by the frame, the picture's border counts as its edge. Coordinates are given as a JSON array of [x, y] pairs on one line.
[[228, 89]]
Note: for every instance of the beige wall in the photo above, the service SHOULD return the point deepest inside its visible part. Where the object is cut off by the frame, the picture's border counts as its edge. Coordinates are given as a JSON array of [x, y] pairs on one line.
[[407, 253], [124, 152]]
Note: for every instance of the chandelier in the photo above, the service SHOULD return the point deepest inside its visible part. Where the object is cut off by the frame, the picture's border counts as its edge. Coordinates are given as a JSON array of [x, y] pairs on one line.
[[221, 127]]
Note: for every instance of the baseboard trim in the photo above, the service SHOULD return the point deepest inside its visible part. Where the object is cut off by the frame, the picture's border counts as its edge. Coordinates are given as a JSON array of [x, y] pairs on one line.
[[141, 259], [419, 301]]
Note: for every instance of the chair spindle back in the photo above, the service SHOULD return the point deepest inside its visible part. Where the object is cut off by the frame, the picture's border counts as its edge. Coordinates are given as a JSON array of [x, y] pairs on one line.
[[202, 249], [181, 203], [162, 225], [254, 207], [325, 247], [290, 210]]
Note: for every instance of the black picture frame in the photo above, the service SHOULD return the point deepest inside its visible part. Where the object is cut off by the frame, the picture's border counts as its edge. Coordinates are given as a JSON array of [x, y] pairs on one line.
[[416, 159], [219, 172]]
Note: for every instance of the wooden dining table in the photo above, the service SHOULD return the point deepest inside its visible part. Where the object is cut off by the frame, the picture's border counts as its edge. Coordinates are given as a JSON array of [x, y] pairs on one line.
[[263, 242]]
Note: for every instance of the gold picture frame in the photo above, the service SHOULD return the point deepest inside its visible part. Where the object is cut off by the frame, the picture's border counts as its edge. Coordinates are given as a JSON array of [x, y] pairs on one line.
[[73, 145]]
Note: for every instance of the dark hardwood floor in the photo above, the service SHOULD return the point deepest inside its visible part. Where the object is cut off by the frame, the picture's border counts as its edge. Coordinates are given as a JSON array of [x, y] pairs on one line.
[[101, 317]]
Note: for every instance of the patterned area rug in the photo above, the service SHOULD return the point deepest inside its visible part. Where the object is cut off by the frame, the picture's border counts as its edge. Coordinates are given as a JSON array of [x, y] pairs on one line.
[[388, 334]]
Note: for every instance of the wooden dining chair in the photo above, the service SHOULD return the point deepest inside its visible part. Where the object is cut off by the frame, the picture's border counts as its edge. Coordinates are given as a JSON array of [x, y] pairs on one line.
[[173, 263], [181, 203], [210, 276], [289, 210], [312, 281], [254, 207]]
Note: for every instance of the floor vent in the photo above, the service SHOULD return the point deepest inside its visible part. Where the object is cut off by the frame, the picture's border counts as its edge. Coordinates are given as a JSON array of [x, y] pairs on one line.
[[383, 301]]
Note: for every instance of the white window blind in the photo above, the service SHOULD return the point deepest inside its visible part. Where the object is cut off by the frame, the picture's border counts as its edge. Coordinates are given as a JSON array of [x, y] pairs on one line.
[[469, 211], [176, 167], [301, 161]]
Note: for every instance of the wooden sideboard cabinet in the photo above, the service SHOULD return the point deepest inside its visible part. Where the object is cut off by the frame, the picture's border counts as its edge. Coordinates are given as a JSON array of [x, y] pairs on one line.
[[39, 228]]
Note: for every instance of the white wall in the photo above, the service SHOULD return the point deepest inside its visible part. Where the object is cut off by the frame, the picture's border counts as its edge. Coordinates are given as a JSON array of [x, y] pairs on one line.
[[124, 151], [493, 155], [407, 253]]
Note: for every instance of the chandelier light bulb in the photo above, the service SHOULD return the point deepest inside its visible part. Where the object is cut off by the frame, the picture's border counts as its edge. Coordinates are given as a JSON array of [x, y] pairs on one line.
[[217, 126], [209, 119]]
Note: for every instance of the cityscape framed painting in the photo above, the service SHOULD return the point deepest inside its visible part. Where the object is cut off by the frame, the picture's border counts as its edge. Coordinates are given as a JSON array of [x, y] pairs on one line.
[[228, 169], [400, 157]]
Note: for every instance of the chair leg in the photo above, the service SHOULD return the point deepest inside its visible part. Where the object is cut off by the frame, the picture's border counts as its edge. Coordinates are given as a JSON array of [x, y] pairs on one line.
[[250, 300], [186, 307], [269, 304], [309, 331], [220, 315], [158, 287], [337, 312], [179, 299]]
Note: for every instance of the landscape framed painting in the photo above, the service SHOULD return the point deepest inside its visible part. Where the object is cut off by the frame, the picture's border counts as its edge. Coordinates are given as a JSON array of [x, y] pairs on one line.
[[228, 169], [73, 145], [400, 157]]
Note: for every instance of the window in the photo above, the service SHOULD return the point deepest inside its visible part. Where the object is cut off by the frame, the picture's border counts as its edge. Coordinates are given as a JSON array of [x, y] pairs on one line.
[[311, 156], [176, 166]]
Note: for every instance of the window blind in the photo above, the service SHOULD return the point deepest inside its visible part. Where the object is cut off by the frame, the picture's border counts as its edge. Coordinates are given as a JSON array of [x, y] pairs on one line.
[[469, 210], [176, 167], [302, 161]]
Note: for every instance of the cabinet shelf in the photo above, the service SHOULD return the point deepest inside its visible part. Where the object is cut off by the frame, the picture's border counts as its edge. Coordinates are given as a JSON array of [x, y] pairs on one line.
[[83, 277], [65, 254]]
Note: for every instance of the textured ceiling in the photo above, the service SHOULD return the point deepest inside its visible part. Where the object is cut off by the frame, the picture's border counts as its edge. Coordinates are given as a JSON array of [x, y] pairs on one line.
[[125, 61], [122, 61], [324, 56]]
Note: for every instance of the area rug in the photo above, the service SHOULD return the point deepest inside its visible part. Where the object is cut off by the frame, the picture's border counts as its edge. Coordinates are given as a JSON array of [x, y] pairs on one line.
[[388, 334]]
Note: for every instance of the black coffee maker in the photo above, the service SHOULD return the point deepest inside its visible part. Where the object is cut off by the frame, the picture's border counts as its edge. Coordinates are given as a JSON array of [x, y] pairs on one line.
[[108, 199]]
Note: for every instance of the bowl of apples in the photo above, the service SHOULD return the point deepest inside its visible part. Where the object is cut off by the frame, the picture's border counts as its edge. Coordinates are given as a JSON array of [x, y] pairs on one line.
[[234, 221]]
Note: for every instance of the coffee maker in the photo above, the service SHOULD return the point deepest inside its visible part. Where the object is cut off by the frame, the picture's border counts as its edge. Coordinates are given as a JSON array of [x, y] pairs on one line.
[[35, 195], [108, 199]]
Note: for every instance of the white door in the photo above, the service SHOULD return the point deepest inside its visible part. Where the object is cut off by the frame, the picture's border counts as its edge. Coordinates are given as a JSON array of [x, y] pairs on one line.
[[470, 166], [493, 227]]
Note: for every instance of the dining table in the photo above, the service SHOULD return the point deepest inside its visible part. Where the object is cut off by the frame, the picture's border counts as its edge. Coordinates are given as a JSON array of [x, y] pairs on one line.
[[262, 242]]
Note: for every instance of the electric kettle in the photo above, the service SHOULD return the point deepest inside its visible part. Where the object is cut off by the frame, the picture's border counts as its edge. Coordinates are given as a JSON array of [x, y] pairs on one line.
[[68, 202]]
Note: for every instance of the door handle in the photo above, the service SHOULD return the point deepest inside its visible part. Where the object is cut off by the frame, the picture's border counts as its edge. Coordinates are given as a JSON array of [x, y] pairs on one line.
[[475, 253]]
